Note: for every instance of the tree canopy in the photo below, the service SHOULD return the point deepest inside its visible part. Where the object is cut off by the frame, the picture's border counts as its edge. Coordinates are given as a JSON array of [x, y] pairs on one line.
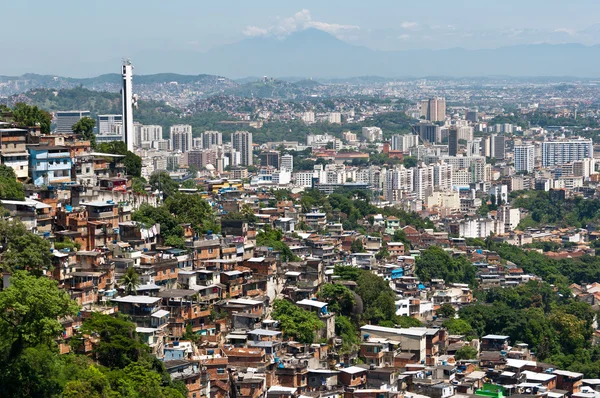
[[10, 188], [296, 323], [434, 262]]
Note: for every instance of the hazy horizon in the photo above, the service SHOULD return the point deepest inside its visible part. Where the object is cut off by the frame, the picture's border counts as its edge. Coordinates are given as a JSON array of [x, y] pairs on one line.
[[68, 38]]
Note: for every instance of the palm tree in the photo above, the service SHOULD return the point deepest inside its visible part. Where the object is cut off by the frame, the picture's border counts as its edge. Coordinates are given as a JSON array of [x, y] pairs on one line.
[[131, 280]]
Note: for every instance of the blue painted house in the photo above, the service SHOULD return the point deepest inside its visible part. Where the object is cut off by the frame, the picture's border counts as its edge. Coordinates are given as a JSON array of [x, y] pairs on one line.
[[50, 164]]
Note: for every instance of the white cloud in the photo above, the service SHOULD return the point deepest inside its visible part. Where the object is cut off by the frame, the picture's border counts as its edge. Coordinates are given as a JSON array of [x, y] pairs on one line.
[[570, 32], [409, 25], [299, 21], [255, 31], [404, 36]]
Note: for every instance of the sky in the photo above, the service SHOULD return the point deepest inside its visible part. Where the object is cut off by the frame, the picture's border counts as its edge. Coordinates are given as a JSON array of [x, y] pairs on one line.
[[41, 36]]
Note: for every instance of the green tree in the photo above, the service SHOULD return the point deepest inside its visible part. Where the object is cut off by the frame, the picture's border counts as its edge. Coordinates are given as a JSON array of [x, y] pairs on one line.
[[465, 352], [131, 161], [357, 246], [347, 273], [118, 344], [28, 252], [446, 311], [85, 128], [273, 238], [31, 308], [162, 181], [10, 188], [130, 281], [296, 323], [459, 327], [339, 297], [435, 262], [30, 116]]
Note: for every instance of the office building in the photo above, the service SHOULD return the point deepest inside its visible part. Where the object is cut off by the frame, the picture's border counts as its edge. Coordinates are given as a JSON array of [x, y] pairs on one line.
[[453, 141], [524, 157], [66, 119], [270, 158], [434, 109], [211, 138], [241, 141], [150, 133], [566, 151], [428, 132], [181, 137], [465, 133], [498, 146], [127, 104], [287, 162], [471, 116], [105, 123]]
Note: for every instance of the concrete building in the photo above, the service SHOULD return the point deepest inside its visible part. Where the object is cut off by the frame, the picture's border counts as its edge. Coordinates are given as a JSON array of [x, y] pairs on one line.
[[404, 142], [211, 138], [13, 151], [428, 132], [453, 142], [372, 134], [287, 162], [335, 118], [498, 146], [434, 109], [270, 158], [308, 117], [50, 164], [524, 157], [241, 141], [566, 151], [181, 137], [105, 123], [127, 104], [66, 119]]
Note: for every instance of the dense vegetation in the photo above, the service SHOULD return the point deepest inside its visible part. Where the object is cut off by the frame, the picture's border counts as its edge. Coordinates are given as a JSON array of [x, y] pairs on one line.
[[176, 210], [296, 323], [544, 208], [436, 263], [557, 327], [31, 366], [10, 188]]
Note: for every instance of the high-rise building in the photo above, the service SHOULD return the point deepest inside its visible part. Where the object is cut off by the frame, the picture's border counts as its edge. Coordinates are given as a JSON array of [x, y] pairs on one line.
[[287, 162], [566, 151], [335, 117], [498, 146], [453, 141], [434, 109], [151, 132], [66, 119], [372, 134], [241, 141], [270, 158], [524, 158], [308, 117], [465, 133], [104, 123], [404, 142], [127, 104], [181, 137], [471, 116], [211, 138], [428, 132], [202, 158]]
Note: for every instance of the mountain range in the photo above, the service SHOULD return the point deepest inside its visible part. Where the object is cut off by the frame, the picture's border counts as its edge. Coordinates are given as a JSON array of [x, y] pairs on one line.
[[314, 53], [318, 54]]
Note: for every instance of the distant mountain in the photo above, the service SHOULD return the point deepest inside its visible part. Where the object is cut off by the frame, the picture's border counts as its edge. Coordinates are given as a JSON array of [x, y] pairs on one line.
[[209, 84], [274, 88], [314, 53]]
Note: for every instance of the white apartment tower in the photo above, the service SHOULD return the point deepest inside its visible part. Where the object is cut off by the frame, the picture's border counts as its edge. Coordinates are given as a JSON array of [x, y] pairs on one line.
[[524, 158], [127, 104], [181, 137], [241, 141], [566, 151], [287, 162], [211, 138]]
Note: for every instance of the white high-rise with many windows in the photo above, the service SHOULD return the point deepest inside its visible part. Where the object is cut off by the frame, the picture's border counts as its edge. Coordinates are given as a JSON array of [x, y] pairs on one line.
[[181, 137], [241, 141], [524, 158], [127, 104], [566, 151]]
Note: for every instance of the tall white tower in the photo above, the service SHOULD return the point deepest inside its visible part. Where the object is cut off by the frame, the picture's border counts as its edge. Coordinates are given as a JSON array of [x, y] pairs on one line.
[[127, 99]]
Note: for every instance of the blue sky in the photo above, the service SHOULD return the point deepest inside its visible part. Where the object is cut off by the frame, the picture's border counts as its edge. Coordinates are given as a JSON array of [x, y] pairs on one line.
[[45, 35]]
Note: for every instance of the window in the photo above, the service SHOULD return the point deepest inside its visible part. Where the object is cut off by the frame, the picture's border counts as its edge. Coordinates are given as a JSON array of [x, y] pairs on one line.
[[220, 371], [210, 251]]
